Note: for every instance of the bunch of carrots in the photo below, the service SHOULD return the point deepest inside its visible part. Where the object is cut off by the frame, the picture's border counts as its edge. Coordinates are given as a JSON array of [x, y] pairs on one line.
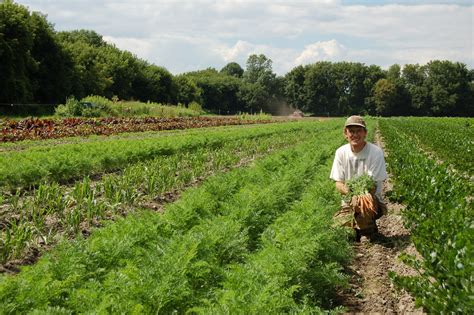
[[365, 204], [360, 196]]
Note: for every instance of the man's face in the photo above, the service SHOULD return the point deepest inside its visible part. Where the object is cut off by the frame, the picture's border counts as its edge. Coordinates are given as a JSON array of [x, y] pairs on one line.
[[355, 135]]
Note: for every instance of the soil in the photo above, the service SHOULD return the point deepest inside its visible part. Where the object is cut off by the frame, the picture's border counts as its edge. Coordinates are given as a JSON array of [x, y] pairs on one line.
[[370, 288]]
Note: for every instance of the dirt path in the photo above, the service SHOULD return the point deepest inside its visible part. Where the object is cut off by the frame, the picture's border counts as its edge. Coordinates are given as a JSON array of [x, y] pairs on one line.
[[371, 290]]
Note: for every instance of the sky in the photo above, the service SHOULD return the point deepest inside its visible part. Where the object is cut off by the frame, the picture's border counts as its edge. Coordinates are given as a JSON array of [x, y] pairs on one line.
[[184, 36]]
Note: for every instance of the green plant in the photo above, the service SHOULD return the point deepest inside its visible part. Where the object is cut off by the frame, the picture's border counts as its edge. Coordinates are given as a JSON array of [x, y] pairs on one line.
[[176, 261], [439, 215], [70, 109], [195, 106]]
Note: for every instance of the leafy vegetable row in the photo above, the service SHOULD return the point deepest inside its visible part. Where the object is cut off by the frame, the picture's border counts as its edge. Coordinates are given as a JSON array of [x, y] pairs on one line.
[[450, 139], [441, 218], [35, 128], [53, 209], [28, 168], [179, 261], [298, 266]]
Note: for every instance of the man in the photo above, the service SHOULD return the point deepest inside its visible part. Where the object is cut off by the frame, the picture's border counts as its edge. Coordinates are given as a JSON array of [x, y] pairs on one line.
[[353, 159]]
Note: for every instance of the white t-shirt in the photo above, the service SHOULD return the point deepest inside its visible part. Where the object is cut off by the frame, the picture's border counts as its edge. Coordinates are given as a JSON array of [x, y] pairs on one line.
[[370, 160]]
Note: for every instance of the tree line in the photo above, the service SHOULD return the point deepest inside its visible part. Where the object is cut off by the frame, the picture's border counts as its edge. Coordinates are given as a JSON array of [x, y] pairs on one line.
[[40, 65]]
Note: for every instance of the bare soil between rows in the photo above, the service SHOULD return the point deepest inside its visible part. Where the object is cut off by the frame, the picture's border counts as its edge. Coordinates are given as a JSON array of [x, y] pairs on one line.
[[370, 289]]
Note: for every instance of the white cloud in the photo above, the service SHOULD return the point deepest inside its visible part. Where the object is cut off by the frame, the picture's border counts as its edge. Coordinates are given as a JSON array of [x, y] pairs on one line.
[[240, 49], [140, 47], [328, 50], [191, 35]]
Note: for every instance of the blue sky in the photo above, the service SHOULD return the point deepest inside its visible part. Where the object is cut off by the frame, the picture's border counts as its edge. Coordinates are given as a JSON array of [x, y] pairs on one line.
[[191, 35]]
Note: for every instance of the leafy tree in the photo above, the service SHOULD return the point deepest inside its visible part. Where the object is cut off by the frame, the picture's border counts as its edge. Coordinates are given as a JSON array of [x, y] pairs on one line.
[[152, 83], [394, 72], [259, 72], [122, 68], [233, 69], [16, 43], [253, 96], [385, 97], [414, 77], [187, 90], [373, 74], [321, 89], [89, 37], [52, 77], [449, 88], [90, 75], [351, 88], [295, 89], [219, 92]]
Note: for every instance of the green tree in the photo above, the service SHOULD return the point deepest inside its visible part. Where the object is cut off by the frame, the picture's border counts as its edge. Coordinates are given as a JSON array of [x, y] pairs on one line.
[[321, 89], [394, 72], [351, 87], [152, 83], [253, 96], [219, 92], [449, 87], [373, 74], [52, 77], [122, 68], [295, 89], [90, 75], [414, 77], [259, 72], [233, 69], [187, 90], [385, 97], [16, 43]]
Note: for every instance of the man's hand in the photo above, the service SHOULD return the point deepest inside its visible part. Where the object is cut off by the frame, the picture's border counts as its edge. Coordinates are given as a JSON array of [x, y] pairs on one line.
[[342, 188]]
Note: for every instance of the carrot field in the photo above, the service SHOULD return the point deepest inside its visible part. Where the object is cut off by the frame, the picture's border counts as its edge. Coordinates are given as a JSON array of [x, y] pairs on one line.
[[222, 220]]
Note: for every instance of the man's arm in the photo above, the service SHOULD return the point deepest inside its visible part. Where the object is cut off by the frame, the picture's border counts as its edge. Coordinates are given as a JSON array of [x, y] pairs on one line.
[[342, 187]]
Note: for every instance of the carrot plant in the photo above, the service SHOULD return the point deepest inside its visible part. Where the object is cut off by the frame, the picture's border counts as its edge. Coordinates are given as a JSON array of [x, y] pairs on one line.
[[299, 265], [85, 204], [174, 262]]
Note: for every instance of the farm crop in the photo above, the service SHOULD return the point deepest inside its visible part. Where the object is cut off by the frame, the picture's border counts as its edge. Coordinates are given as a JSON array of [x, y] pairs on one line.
[[32, 166], [439, 213], [448, 139], [52, 208], [297, 266], [234, 219], [35, 128], [180, 261]]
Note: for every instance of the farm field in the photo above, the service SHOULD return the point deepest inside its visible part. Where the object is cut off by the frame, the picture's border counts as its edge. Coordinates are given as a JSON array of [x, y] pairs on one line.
[[34, 128], [233, 219], [431, 160]]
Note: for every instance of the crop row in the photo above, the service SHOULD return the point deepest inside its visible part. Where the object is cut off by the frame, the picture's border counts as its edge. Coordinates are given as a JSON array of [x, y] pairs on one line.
[[30, 167], [440, 215], [298, 265], [184, 259], [35, 128], [450, 139], [52, 207]]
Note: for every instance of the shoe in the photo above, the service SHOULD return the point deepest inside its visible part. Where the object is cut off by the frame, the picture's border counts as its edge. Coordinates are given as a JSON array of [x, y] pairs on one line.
[[358, 235]]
